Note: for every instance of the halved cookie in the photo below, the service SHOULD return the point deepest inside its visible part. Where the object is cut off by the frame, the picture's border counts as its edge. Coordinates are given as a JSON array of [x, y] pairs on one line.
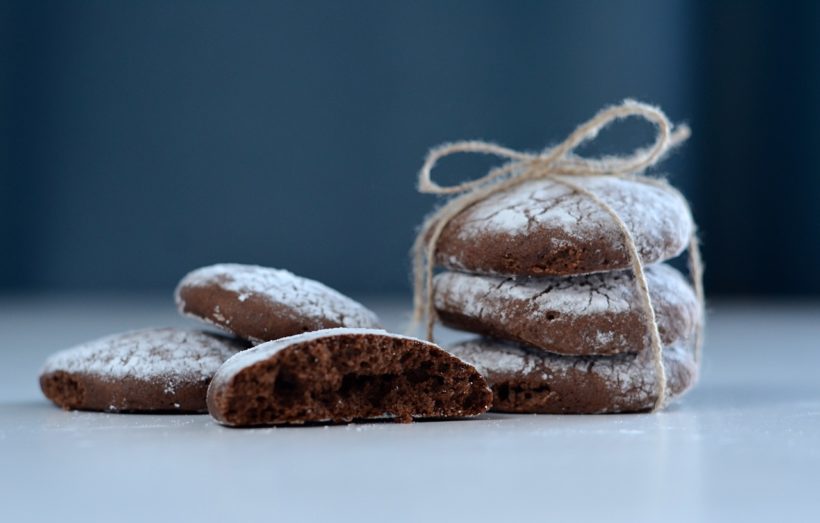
[[149, 370], [262, 304], [526, 380], [344, 374], [579, 315], [541, 228]]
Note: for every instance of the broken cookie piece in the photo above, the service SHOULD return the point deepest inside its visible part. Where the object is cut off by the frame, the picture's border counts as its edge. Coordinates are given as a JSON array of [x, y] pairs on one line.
[[340, 375]]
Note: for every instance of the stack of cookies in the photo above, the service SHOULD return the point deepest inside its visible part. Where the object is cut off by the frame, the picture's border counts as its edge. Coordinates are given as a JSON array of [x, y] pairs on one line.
[[319, 356], [542, 272]]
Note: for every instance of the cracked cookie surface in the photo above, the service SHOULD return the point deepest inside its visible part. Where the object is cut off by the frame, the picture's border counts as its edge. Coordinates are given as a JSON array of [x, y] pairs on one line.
[[579, 315], [542, 228], [525, 380], [262, 304], [148, 370]]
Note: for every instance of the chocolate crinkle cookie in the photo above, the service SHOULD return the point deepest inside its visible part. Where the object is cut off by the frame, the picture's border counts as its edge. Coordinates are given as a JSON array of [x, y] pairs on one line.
[[340, 375], [262, 304], [541, 228], [528, 380], [581, 315], [149, 370]]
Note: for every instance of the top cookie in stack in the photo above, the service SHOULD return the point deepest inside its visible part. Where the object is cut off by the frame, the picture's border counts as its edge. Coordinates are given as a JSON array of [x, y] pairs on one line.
[[543, 269], [541, 228]]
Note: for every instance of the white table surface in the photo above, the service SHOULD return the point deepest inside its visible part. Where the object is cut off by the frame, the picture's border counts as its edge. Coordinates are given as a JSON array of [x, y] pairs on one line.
[[744, 444]]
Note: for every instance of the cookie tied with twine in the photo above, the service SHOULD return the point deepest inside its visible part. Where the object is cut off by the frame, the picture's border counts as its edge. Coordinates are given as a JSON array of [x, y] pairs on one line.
[[560, 165]]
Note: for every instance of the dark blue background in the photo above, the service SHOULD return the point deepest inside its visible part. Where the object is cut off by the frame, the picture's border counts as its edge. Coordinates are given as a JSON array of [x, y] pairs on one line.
[[142, 139]]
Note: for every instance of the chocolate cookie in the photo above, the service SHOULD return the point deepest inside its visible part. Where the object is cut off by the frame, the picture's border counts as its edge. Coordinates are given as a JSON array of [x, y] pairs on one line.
[[344, 374], [527, 380], [541, 228], [578, 315], [262, 304], [150, 370]]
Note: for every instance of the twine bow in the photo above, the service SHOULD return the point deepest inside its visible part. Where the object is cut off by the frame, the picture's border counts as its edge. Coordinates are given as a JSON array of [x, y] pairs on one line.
[[558, 164]]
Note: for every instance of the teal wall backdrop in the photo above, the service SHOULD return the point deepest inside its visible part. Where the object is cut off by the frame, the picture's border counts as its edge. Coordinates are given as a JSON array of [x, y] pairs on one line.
[[142, 139]]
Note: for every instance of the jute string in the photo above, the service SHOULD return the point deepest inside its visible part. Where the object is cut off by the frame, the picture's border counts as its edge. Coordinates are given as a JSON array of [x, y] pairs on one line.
[[560, 165]]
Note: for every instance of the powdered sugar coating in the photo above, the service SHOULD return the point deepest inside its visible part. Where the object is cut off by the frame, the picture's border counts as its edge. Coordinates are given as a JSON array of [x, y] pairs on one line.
[[167, 355], [540, 217], [647, 210], [295, 296], [550, 302], [630, 379]]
